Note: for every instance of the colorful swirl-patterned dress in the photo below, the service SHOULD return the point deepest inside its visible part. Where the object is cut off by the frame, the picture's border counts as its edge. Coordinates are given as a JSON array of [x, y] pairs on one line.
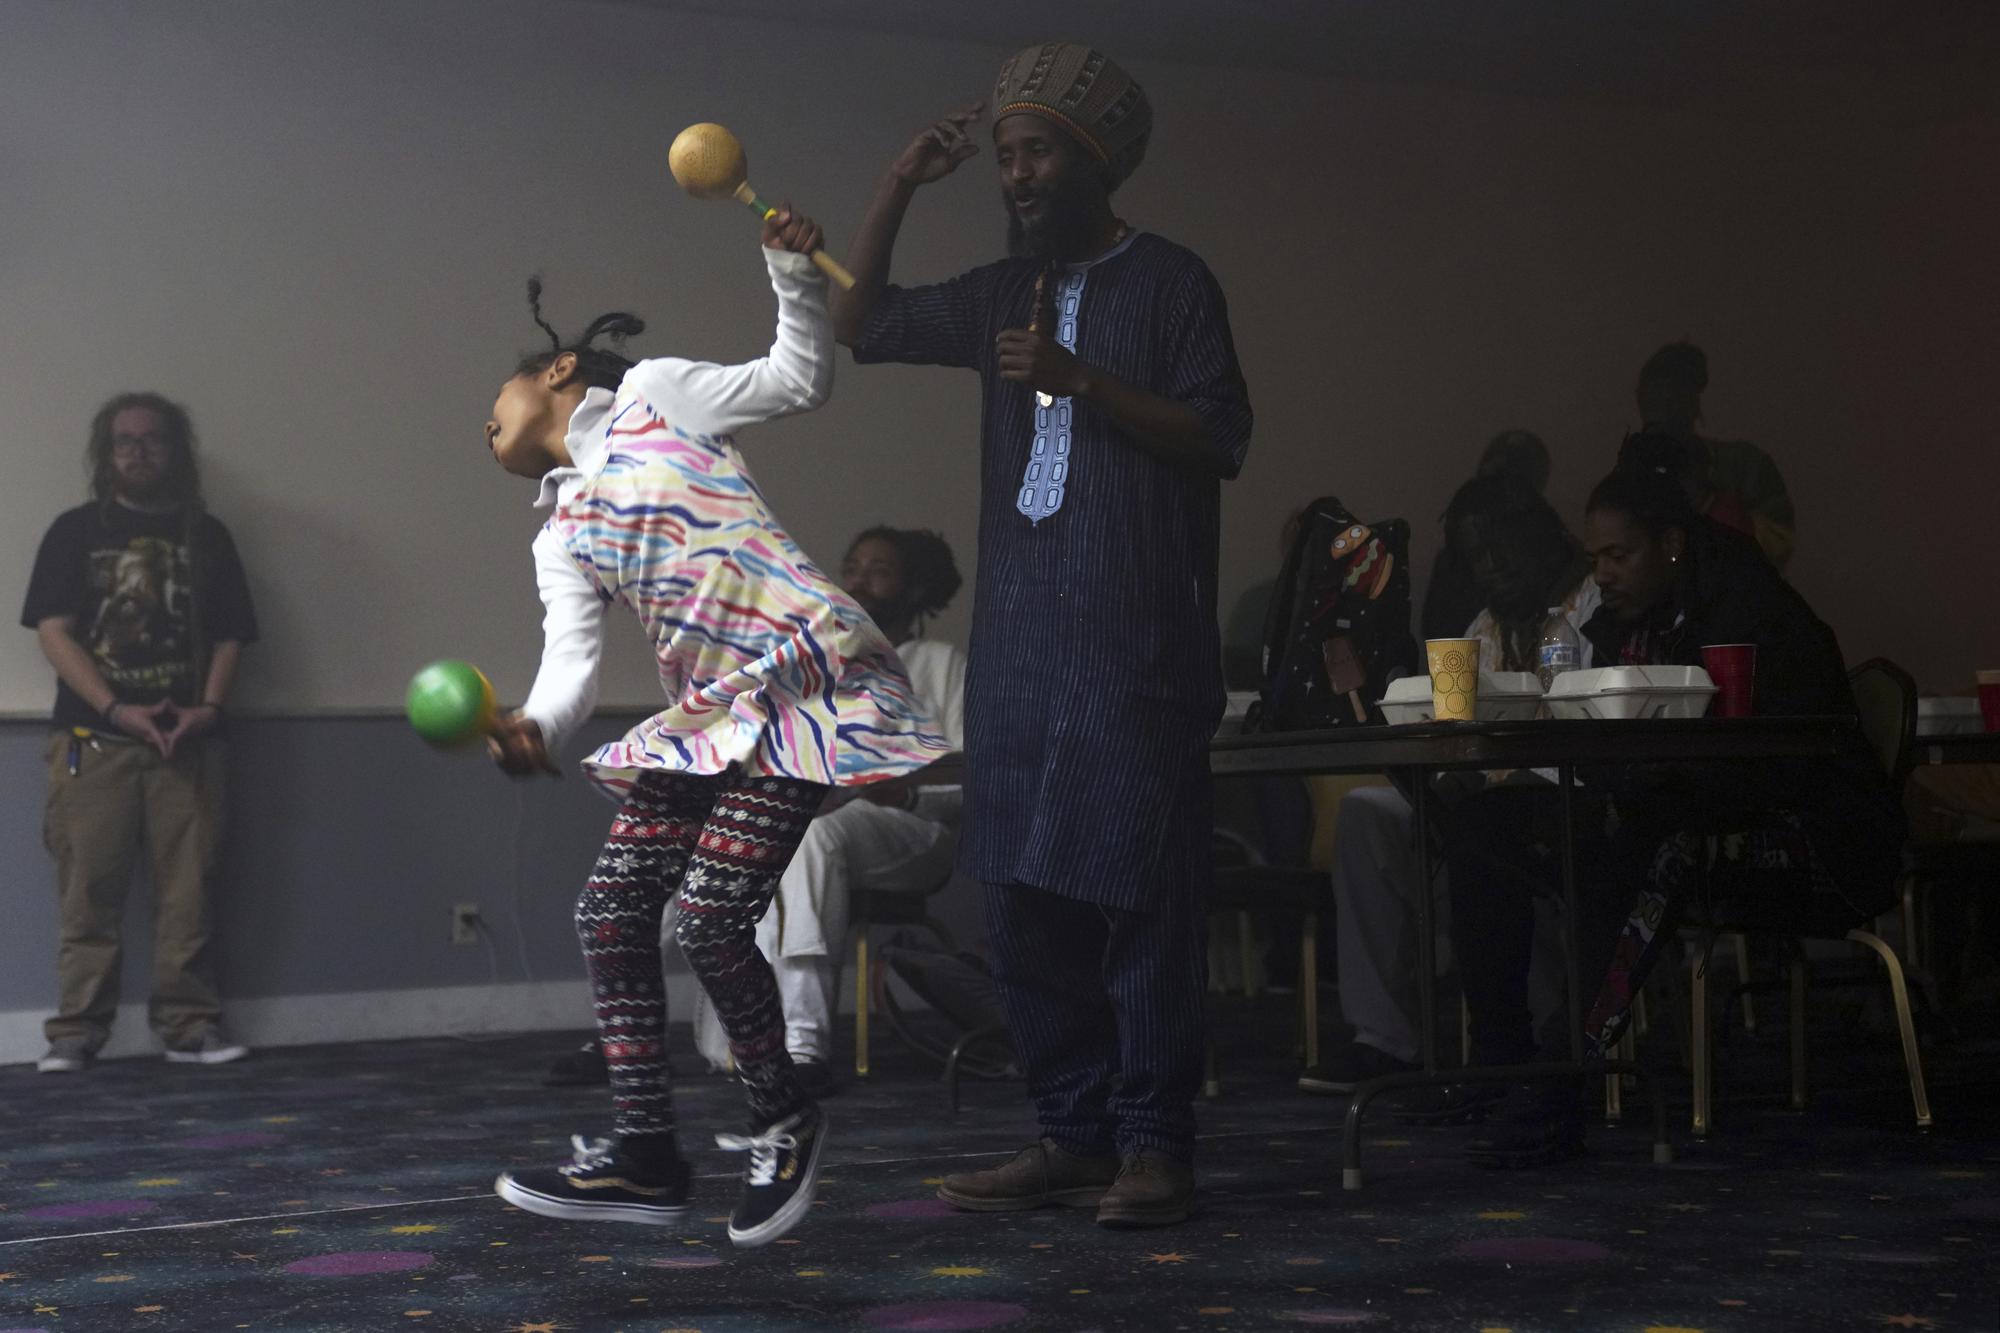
[[770, 668]]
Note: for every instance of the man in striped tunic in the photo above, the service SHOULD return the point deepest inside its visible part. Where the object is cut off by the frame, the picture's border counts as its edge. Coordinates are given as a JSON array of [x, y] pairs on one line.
[[1113, 408]]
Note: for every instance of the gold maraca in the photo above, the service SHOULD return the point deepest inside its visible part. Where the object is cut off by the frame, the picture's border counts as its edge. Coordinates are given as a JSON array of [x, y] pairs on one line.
[[709, 163]]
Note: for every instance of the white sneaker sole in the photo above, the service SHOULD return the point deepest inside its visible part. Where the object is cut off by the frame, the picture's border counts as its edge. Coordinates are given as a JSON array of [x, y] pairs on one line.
[[795, 1208], [569, 1210], [60, 1064], [226, 1055]]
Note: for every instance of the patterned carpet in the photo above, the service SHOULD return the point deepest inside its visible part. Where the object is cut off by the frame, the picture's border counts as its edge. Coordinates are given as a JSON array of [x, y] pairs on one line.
[[347, 1188]]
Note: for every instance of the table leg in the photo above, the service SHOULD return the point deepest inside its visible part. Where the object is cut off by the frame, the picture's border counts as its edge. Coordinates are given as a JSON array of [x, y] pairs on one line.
[[1357, 1102], [1566, 779], [1426, 928], [1429, 1075]]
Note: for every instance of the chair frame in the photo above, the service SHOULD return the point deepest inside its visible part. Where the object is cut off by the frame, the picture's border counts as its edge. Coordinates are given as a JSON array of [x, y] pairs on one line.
[[1898, 763], [859, 921], [1308, 984]]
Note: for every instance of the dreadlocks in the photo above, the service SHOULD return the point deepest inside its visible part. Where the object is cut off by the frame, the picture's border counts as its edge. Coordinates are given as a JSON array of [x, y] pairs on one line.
[[596, 367], [1524, 556]]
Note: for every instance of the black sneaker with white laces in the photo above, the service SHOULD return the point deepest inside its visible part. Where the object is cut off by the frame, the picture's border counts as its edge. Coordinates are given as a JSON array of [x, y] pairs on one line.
[[601, 1184], [778, 1183]]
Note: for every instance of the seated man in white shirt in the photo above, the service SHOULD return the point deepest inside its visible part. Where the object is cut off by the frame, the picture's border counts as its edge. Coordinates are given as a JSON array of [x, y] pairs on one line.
[[1525, 561], [890, 837]]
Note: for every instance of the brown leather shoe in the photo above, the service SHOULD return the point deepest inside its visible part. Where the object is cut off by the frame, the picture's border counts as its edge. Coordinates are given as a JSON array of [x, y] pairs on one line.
[[1153, 1189], [1040, 1174]]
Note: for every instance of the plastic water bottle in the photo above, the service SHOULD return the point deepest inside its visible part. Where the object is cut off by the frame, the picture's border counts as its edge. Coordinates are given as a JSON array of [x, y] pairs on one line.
[[1561, 650]]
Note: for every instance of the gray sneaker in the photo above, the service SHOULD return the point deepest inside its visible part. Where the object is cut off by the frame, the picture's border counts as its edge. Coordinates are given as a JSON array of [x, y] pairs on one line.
[[66, 1055], [209, 1047]]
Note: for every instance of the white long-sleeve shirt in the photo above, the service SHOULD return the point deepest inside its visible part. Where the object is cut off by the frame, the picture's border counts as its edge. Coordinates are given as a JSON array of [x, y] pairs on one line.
[[796, 375], [937, 674]]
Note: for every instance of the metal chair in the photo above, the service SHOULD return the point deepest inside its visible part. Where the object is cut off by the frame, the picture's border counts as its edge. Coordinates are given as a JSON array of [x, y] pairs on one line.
[[867, 908], [1887, 699]]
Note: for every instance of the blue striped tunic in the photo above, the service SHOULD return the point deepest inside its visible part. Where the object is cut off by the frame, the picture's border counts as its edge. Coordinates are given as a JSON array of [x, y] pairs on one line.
[[1095, 677]]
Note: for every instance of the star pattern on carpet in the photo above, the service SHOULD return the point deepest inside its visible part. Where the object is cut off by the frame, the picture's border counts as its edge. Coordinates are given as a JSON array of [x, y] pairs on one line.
[[875, 1269]]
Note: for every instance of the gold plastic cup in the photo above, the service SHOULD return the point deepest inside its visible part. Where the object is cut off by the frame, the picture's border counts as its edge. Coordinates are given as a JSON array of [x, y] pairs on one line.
[[1454, 665]]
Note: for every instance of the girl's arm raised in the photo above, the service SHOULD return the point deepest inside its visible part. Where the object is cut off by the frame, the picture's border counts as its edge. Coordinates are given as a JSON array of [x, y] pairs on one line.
[[796, 375], [572, 640]]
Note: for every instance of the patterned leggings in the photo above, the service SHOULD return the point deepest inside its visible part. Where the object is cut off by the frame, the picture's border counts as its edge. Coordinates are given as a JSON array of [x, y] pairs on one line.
[[722, 842], [1678, 867]]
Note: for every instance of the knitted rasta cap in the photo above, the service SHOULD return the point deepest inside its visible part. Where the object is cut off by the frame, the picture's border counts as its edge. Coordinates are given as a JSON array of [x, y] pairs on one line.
[[1084, 92]]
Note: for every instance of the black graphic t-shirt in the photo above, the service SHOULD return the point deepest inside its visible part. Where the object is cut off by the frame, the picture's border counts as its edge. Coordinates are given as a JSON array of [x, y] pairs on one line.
[[140, 589]]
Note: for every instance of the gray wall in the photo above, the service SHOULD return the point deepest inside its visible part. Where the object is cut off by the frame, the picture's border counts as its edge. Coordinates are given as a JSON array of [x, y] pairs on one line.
[[311, 221], [349, 843]]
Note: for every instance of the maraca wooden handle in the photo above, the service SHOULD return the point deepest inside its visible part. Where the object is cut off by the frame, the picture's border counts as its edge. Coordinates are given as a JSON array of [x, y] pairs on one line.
[[834, 269], [828, 265]]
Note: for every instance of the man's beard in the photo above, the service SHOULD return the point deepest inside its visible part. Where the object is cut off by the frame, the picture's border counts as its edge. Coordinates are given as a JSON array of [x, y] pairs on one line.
[[883, 613], [147, 488], [1064, 232]]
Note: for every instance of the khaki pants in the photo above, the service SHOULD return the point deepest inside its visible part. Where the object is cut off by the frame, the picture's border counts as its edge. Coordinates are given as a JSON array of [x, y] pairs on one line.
[[123, 794]]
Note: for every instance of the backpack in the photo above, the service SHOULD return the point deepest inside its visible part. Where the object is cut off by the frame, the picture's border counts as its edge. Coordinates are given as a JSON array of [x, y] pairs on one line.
[[1339, 626]]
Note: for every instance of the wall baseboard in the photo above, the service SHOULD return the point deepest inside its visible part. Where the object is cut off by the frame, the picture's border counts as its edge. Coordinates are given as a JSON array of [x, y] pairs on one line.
[[301, 1020]]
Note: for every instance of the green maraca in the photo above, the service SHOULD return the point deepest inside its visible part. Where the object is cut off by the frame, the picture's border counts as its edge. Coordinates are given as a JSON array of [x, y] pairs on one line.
[[451, 703]]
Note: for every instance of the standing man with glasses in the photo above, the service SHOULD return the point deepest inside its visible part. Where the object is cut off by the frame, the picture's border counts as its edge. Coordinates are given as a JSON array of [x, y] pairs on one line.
[[141, 606], [1113, 409]]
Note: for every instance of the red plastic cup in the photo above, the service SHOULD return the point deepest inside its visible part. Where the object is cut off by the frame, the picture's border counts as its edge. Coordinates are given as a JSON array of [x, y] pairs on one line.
[[1989, 699], [1733, 668]]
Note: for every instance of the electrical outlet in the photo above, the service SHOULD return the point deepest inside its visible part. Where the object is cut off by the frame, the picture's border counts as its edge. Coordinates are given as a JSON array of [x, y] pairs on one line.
[[465, 923]]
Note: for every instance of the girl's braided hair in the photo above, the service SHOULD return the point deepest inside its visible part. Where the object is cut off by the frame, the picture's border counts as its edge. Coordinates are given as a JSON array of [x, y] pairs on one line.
[[597, 367]]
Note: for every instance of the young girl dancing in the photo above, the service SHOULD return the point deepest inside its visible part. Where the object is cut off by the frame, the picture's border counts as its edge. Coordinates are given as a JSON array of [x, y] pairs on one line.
[[780, 688]]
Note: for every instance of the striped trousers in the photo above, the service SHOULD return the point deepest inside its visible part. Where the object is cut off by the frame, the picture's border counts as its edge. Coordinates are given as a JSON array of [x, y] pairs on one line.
[[721, 842], [1106, 1009]]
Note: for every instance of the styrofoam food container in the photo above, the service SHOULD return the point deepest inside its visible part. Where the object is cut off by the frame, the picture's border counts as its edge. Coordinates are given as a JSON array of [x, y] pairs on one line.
[[1509, 696], [1948, 717], [1407, 700], [1625, 692], [1504, 696]]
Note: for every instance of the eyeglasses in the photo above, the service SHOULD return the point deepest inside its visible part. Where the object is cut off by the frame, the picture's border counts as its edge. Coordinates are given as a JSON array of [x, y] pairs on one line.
[[151, 442]]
